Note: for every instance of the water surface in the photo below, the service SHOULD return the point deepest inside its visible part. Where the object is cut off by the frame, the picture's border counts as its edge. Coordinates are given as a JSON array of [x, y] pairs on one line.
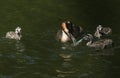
[[39, 55]]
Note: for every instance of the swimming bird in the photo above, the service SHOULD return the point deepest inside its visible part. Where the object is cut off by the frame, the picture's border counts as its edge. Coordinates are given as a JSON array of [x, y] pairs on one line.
[[100, 31], [100, 44], [14, 34], [69, 32]]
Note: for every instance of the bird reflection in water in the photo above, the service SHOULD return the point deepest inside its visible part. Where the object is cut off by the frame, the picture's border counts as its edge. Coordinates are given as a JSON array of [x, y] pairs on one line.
[[21, 57], [19, 46], [67, 46], [66, 68]]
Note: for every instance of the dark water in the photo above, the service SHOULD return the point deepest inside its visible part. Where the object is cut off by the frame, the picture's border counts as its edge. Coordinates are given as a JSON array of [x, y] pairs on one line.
[[39, 55]]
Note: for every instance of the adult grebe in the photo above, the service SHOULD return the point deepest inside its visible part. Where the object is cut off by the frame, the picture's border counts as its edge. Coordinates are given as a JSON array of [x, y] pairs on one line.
[[14, 35], [69, 32], [100, 44], [63, 34], [102, 31]]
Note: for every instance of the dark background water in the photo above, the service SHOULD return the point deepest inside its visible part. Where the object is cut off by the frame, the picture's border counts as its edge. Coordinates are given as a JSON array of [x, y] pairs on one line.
[[39, 55]]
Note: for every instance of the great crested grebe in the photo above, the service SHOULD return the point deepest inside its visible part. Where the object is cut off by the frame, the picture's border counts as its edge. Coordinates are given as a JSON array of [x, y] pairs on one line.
[[100, 44], [69, 32], [102, 31], [14, 35]]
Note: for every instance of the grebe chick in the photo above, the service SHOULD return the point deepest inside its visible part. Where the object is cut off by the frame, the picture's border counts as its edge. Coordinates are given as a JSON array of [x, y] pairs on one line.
[[14, 35], [100, 44], [69, 32], [102, 31]]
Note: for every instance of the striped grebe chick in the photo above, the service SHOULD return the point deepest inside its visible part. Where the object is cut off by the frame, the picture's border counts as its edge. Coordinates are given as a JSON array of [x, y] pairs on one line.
[[100, 44], [14, 34], [102, 31]]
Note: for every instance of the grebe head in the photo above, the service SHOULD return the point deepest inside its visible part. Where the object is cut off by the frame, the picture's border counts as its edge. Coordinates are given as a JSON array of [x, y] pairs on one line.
[[18, 30], [99, 28]]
